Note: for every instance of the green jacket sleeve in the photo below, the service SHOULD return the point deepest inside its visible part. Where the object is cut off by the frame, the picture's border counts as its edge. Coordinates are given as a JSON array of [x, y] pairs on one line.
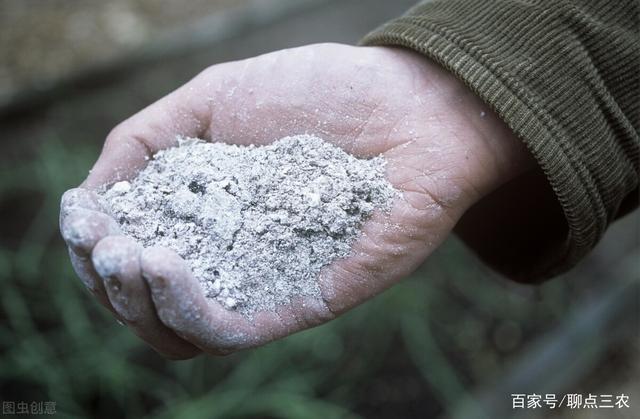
[[564, 76]]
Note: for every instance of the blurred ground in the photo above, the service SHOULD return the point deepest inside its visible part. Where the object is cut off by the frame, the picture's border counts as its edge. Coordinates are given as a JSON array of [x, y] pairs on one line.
[[45, 41], [453, 340]]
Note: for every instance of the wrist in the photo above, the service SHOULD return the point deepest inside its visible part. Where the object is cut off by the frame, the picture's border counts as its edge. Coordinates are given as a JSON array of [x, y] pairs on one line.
[[486, 153]]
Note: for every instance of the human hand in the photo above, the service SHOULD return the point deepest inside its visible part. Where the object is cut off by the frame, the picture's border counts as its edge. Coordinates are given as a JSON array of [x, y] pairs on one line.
[[444, 148]]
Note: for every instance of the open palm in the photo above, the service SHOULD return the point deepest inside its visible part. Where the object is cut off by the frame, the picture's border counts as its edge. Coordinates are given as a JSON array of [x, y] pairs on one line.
[[444, 148]]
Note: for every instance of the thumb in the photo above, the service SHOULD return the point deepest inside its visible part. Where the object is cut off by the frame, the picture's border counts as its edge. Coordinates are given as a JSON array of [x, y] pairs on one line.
[[129, 145]]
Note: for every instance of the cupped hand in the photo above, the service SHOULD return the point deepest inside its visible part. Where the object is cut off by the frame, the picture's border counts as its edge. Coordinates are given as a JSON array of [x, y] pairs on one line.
[[445, 150]]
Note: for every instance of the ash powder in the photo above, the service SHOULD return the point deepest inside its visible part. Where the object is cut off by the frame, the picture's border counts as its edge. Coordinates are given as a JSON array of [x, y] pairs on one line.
[[256, 224]]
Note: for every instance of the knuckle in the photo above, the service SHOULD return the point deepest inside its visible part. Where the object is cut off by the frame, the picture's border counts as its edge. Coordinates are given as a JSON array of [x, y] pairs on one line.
[[124, 135], [117, 134]]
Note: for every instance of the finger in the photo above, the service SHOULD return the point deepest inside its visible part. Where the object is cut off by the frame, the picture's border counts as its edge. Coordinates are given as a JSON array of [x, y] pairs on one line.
[[83, 268], [83, 228], [79, 198], [82, 225], [117, 260], [182, 306], [83, 220]]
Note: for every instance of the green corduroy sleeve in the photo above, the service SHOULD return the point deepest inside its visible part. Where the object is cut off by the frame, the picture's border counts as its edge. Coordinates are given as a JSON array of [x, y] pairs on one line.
[[564, 76]]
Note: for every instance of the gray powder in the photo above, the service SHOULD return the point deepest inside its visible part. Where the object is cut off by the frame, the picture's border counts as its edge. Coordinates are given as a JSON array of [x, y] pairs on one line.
[[256, 224]]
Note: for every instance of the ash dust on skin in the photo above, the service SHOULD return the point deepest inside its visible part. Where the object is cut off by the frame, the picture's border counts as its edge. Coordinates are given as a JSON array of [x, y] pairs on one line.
[[255, 223]]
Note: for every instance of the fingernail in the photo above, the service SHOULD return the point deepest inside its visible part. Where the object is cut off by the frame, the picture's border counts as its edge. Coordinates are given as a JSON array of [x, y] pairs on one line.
[[79, 198], [78, 233]]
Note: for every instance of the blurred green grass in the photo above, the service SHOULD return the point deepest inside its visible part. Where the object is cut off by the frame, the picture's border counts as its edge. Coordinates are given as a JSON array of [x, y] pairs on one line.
[[422, 344]]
